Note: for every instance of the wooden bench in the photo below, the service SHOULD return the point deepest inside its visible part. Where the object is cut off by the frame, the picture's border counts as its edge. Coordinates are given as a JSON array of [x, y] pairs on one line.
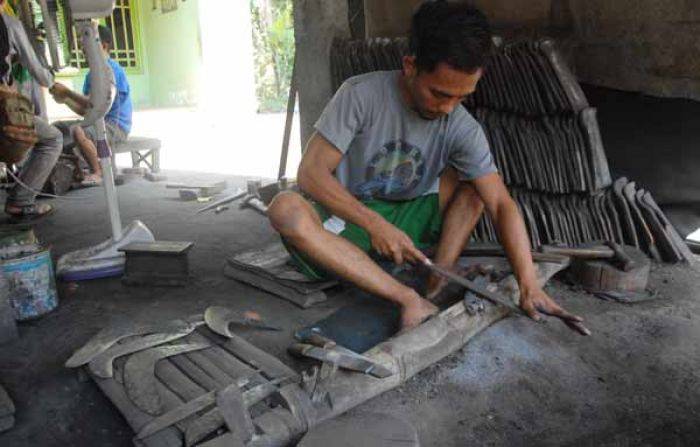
[[143, 150]]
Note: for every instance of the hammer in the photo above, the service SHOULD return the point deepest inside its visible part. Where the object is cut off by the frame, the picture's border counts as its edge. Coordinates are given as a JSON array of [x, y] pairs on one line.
[[612, 251]]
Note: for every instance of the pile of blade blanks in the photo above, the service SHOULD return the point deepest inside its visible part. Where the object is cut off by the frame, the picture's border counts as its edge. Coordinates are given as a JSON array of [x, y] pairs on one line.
[[172, 380], [546, 142]]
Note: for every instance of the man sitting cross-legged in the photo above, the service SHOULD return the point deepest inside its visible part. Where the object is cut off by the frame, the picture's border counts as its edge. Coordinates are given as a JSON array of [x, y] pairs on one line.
[[397, 164]]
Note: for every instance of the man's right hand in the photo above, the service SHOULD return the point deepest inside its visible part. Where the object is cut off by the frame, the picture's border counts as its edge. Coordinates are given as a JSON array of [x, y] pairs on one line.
[[24, 137], [59, 92], [394, 244]]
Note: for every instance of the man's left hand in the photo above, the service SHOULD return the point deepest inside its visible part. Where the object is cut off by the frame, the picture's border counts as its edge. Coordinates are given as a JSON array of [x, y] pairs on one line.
[[536, 301]]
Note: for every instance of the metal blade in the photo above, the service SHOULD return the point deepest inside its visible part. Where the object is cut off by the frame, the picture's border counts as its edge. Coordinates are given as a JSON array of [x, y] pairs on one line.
[[220, 318], [239, 194], [345, 361], [319, 340], [477, 290], [101, 365], [118, 330]]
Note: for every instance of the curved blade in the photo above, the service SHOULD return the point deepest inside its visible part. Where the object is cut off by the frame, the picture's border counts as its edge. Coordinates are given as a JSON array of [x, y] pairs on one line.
[[220, 318], [101, 365], [108, 336], [140, 378]]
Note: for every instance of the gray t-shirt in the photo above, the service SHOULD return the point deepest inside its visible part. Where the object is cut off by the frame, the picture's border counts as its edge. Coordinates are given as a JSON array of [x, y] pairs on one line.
[[389, 151]]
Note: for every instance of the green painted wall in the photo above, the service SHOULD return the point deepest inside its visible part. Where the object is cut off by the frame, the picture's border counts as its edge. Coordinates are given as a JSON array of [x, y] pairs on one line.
[[171, 55], [174, 54]]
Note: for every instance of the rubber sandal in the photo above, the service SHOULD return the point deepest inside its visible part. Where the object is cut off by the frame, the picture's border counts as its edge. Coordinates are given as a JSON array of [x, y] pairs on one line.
[[29, 214], [91, 182]]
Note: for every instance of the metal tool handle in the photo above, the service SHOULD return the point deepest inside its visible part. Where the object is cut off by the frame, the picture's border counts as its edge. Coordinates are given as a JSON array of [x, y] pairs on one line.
[[621, 258], [319, 340]]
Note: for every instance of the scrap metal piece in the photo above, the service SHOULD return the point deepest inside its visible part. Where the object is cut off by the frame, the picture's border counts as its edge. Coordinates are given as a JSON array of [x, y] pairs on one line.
[[200, 190], [232, 198], [232, 407], [220, 318], [108, 336], [139, 374], [626, 215], [670, 229], [629, 191], [101, 365]]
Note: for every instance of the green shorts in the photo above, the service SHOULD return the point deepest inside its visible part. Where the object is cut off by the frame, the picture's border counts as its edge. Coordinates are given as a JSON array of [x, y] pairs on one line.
[[419, 218]]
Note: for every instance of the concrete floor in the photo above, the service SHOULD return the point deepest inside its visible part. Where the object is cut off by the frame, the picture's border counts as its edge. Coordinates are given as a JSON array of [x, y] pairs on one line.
[[634, 382]]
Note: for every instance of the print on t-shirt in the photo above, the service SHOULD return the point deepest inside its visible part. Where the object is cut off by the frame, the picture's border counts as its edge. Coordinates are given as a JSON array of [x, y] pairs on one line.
[[395, 169]]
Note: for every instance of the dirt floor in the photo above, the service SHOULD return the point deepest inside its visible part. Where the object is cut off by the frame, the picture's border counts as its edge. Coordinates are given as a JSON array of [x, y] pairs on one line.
[[634, 382]]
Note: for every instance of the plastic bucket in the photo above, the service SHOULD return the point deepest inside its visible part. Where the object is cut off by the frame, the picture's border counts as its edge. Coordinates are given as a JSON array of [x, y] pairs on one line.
[[31, 285], [17, 243]]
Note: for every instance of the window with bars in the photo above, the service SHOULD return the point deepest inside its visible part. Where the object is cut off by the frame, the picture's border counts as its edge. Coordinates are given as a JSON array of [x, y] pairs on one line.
[[123, 26]]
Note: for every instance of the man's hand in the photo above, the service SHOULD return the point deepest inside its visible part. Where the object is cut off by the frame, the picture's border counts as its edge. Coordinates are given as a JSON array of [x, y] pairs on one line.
[[392, 243], [535, 301], [59, 92], [24, 137]]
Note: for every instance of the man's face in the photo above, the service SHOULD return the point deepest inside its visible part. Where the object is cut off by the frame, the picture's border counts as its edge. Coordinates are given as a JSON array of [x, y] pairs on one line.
[[435, 94]]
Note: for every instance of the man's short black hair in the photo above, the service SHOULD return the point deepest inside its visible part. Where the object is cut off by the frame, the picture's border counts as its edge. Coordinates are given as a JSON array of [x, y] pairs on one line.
[[454, 33], [105, 35]]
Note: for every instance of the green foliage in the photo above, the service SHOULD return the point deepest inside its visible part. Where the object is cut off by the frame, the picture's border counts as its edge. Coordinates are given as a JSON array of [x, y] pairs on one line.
[[273, 40]]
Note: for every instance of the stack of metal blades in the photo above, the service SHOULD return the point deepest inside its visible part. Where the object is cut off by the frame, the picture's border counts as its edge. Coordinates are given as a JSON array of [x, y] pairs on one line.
[[622, 213]]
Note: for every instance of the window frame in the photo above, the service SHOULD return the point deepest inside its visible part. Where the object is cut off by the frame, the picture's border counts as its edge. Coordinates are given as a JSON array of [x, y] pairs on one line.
[[135, 9]]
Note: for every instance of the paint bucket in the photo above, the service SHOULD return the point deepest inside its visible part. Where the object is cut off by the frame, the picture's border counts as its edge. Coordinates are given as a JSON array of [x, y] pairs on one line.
[[15, 243], [31, 284]]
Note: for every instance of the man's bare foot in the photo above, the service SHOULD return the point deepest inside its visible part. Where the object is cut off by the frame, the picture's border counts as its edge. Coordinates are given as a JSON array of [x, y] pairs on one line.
[[416, 313]]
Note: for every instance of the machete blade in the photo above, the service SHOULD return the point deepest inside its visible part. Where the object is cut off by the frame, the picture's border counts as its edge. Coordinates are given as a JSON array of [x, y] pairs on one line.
[[220, 318], [122, 328], [101, 365]]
